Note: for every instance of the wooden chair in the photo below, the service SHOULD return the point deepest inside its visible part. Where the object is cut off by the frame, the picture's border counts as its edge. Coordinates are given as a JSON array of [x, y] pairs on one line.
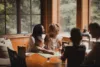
[[13, 58], [21, 55], [21, 51]]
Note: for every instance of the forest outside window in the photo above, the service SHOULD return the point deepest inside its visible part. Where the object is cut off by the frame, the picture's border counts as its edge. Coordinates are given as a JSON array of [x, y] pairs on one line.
[[30, 15], [67, 15], [95, 11], [8, 17]]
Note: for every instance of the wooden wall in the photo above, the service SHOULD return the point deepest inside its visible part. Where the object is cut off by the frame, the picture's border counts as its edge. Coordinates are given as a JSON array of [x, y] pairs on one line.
[[18, 40], [82, 13]]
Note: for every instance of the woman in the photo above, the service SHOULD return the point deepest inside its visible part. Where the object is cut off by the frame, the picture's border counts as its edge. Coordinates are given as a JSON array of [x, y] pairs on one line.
[[52, 41], [37, 40]]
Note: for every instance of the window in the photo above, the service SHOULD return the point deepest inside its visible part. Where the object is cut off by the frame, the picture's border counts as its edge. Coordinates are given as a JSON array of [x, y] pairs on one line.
[[30, 15], [8, 17], [2, 17], [95, 11], [67, 15]]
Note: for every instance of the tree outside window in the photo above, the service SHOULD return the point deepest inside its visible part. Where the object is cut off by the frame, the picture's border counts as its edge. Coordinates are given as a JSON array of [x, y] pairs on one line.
[[30, 15], [67, 15]]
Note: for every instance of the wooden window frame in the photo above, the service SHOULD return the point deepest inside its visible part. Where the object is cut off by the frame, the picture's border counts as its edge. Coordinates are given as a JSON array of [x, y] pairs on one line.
[[83, 14], [50, 13], [18, 16]]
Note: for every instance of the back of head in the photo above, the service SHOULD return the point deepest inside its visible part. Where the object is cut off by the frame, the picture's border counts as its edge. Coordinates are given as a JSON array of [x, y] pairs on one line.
[[76, 36], [94, 29], [94, 26]]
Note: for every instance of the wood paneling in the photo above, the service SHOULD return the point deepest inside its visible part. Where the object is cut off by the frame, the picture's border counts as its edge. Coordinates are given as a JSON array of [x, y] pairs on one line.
[[82, 14], [85, 14], [79, 14], [66, 39], [54, 11], [49, 12], [23, 41], [18, 16], [46, 13], [18, 40]]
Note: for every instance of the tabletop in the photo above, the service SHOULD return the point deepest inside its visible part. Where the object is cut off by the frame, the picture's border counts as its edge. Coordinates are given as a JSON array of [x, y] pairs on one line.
[[45, 60]]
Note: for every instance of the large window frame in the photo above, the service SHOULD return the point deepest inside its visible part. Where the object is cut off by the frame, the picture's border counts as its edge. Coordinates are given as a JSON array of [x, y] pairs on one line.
[[5, 13], [50, 13], [18, 16], [82, 13]]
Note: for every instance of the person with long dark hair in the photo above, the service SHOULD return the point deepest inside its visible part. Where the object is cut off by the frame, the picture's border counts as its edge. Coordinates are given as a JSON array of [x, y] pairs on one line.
[[37, 41], [38, 31]]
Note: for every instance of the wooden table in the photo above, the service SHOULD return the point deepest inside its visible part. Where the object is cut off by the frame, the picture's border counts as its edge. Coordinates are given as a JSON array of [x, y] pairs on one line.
[[37, 60]]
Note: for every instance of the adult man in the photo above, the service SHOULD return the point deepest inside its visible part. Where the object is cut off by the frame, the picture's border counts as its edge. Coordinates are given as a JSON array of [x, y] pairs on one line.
[[94, 56]]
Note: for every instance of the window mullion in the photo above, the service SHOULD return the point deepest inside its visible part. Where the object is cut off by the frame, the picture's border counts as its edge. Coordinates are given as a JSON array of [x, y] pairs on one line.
[[31, 14], [5, 14], [18, 17]]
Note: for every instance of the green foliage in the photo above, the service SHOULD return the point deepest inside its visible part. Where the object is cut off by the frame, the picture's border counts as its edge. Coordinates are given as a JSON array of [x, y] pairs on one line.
[[95, 11], [10, 19], [26, 20], [67, 14], [1, 7]]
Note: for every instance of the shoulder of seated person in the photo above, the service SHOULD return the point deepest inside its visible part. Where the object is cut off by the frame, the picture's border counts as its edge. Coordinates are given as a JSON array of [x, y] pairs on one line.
[[68, 46], [97, 45], [82, 46]]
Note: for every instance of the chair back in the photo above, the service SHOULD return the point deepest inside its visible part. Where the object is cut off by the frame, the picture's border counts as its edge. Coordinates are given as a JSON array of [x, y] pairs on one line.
[[13, 58], [21, 51], [21, 55], [74, 55]]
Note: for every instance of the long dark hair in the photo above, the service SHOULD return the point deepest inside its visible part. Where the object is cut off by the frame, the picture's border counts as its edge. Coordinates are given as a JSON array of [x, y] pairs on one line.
[[95, 27], [37, 31]]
